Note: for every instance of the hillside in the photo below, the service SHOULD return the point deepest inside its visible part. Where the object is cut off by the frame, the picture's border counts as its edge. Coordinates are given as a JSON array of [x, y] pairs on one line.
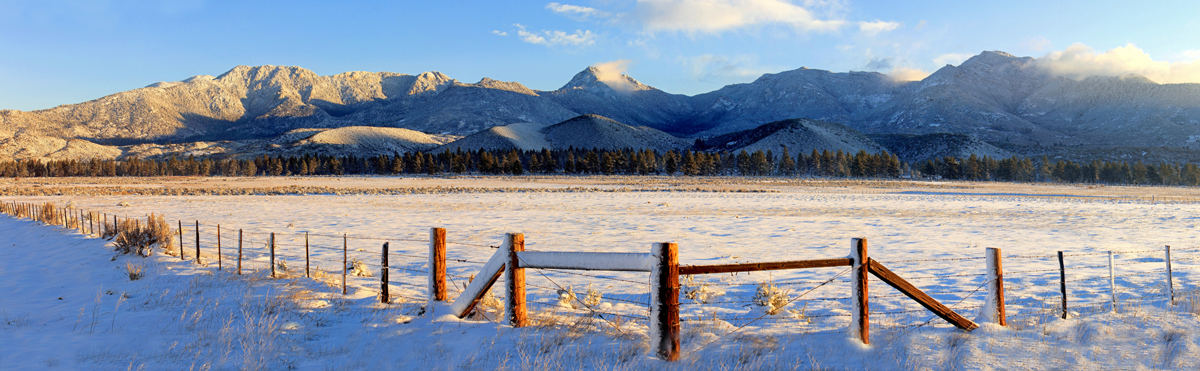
[[914, 148], [585, 132], [798, 135]]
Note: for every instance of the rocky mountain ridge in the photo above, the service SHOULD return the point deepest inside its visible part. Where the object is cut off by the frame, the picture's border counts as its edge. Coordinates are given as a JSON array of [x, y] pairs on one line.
[[994, 97]]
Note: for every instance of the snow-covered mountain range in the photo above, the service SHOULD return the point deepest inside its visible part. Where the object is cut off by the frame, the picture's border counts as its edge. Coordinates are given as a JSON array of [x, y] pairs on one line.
[[994, 96]]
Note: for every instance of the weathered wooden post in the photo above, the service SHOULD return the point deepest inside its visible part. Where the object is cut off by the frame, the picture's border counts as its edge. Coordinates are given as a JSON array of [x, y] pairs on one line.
[[995, 273], [181, 241], [437, 264], [197, 242], [383, 275], [344, 263], [664, 301], [272, 254], [1062, 282], [239, 251], [860, 323], [306, 259], [514, 277], [1112, 282], [1170, 280], [218, 247]]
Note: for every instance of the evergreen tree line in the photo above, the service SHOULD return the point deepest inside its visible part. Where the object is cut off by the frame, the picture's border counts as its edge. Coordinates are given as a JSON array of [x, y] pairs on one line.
[[626, 161]]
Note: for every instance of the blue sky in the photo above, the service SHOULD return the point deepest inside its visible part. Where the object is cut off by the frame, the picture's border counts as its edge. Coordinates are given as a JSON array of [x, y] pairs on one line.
[[56, 52]]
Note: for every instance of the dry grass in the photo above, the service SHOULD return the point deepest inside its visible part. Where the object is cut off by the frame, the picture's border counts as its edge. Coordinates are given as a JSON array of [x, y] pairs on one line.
[[134, 238], [135, 270]]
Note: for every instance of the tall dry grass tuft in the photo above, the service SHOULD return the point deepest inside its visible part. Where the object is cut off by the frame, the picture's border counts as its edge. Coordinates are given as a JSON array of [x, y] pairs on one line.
[[134, 238], [50, 214]]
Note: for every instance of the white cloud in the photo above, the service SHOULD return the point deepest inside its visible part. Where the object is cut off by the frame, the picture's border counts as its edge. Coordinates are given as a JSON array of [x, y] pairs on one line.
[[556, 38], [500, 33], [612, 74], [1079, 61], [907, 74], [709, 67], [1191, 54], [575, 11], [951, 58], [714, 16], [1037, 44], [877, 27]]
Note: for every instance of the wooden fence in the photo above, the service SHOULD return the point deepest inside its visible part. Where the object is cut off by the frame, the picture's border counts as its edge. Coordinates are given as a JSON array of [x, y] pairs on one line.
[[424, 279]]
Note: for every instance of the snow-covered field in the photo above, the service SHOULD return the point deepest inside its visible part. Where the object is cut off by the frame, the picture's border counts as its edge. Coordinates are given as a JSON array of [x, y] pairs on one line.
[[69, 303]]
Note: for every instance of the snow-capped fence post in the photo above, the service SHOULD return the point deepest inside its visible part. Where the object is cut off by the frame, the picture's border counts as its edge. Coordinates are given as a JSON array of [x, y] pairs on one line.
[[1112, 282], [514, 282], [306, 258], [1170, 281], [197, 242], [860, 323], [181, 241], [1062, 283], [239, 251], [994, 308], [272, 254], [664, 301], [437, 264], [383, 276]]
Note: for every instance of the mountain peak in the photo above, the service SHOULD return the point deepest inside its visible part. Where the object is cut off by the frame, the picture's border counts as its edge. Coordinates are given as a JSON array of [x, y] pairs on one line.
[[595, 78]]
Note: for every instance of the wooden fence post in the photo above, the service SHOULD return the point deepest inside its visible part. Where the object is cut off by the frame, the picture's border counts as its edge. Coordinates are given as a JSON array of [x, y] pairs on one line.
[[664, 301], [197, 242], [1112, 282], [306, 259], [344, 263], [218, 247], [437, 264], [272, 254], [181, 241], [860, 323], [383, 276], [995, 304], [239, 251], [514, 277], [1170, 279], [1062, 281]]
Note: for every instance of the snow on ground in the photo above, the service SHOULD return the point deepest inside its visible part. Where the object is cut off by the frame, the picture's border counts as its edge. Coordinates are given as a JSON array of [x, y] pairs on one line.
[[185, 316]]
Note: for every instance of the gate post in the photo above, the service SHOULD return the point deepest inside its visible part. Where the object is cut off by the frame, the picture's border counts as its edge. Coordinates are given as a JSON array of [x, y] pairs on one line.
[[993, 310], [664, 301], [514, 281]]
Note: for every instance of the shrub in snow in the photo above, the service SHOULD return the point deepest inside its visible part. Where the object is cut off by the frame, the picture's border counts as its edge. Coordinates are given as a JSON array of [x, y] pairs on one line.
[[771, 297], [700, 294], [567, 298], [359, 269], [133, 237]]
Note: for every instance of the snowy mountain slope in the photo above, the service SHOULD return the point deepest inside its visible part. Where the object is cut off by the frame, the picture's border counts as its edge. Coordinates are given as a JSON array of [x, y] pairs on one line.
[[595, 131], [521, 136], [801, 93], [915, 148], [582, 132], [29, 146], [799, 136]]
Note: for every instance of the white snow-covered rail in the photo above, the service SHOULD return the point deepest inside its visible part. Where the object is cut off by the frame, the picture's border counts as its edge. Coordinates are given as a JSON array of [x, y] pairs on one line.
[[588, 261]]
